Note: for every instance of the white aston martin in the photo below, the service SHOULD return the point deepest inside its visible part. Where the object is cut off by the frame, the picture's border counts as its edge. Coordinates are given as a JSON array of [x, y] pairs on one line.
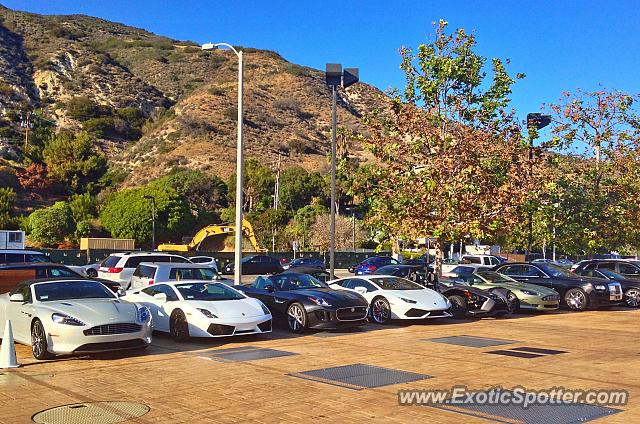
[[392, 297], [199, 308], [63, 316]]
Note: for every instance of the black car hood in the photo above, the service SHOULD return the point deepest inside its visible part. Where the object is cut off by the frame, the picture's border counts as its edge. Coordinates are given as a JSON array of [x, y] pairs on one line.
[[332, 296]]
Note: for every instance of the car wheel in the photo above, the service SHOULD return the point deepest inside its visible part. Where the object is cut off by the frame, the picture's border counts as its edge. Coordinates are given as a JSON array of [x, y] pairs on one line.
[[380, 310], [39, 345], [458, 307], [296, 318], [632, 297], [576, 299], [513, 304], [92, 273], [178, 326]]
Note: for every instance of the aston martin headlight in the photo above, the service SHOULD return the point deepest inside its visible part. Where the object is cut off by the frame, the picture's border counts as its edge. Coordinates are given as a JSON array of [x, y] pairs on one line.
[[530, 293], [265, 309], [408, 300], [319, 301], [600, 287], [207, 313], [143, 314], [66, 319]]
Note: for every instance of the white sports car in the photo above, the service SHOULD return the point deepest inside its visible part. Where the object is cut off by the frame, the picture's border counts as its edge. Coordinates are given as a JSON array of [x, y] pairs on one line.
[[392, 297], [200, 308], [63, 316]]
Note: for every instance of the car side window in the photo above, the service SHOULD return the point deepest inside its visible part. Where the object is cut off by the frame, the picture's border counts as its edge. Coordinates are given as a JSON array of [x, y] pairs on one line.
[[15, 258], [177, 260], [627, 269], [150, 291], [473, 259], [347, 284], [511, 270], [357, 282], [146, 271], [531, 271], [607, 265], [261, 283], [590, 266], [494, 261], [168, 291]]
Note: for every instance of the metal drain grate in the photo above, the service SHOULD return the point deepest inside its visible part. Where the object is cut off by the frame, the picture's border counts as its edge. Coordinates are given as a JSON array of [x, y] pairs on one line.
[[248, 353], [91, 413], [527, 352], [534, 414], [360, 376], [471, 341]]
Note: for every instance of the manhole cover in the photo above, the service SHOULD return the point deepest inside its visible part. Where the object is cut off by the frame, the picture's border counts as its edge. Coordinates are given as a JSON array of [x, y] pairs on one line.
[[471, 341], [527, 352], [91, 413], [360, 376]]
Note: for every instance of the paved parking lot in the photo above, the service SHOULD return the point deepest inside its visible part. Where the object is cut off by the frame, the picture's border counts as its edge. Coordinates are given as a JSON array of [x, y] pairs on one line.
[[185, 383]]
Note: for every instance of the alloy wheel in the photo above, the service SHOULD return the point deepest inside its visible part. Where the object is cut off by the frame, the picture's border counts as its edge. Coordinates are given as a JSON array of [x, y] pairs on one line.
[[632, 298], [295, 317], [38, 340], [380, 311], [180, 327], [576, 300]]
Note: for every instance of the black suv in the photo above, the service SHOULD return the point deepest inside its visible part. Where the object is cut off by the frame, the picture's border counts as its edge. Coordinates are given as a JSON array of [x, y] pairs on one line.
[[625, 272], [576, 292]]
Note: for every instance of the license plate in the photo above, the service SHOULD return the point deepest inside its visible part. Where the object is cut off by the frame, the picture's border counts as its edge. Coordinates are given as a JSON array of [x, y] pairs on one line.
[[615, 297]]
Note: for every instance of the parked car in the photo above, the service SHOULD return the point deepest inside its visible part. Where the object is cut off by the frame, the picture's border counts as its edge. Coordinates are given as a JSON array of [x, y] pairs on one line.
[[187, 309], [486, 260], [449, 264], [564, 263], [306, 262], [12, 274], [149, 273], [318, 274], [576, 292], [306, 302], [626, 267], [369, 265], [119, 267], [522, 295], [472, 302], [256, 265], [464, 271], [421, 274], [205, 260], [392, 297], [84, 315], [90, 270], [20, 256], [630, 285]]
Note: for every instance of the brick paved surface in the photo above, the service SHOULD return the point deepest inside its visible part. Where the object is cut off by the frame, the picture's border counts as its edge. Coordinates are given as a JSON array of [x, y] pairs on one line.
[[181, 385]]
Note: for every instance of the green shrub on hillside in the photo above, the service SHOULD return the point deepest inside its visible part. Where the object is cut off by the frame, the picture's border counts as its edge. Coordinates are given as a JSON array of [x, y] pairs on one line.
[[50, 226]]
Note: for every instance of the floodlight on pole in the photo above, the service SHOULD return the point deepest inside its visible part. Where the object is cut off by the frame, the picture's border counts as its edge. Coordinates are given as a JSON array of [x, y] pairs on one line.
[[239, 160]]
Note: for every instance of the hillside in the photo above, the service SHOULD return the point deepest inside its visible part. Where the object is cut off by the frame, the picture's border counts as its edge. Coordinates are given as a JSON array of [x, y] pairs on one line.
[[186, 96]]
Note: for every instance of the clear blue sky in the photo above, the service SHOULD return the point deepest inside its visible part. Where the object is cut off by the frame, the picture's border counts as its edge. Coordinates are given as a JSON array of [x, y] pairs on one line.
[[560, 45]]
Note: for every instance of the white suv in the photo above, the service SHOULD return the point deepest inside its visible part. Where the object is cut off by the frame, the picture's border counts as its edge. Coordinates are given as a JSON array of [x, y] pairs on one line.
[[486, 260], [120, 266], [147, 273]]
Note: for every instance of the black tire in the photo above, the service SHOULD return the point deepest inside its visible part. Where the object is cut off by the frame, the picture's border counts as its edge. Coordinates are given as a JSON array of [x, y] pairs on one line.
[[632, 297], [178, 326], [459, 307], [576, 299], [513, 303], [380, 310], [92, 273], [39, 345], [297, 318]]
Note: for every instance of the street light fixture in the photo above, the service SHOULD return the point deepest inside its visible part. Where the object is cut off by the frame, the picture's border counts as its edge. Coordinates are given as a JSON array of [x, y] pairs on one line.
[[335, 76], [239, 161], [153, 220], [535, 121]]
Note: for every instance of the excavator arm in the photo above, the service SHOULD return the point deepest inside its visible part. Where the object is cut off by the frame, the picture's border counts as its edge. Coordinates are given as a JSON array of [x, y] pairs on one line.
[[212, 231]]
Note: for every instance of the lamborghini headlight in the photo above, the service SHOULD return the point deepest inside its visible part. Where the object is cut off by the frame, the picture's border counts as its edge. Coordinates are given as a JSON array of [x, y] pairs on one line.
[[265, 309]]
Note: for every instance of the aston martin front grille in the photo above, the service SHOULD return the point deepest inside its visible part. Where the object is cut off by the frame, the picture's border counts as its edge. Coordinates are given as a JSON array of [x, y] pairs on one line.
[[551, 297], [351, 314], [110, 329]]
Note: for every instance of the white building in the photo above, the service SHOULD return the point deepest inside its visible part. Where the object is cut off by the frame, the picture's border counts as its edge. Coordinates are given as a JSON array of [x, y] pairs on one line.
[[10, 239]]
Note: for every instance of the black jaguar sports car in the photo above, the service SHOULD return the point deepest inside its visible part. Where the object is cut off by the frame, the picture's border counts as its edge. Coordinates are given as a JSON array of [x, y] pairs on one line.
[[305, 302]]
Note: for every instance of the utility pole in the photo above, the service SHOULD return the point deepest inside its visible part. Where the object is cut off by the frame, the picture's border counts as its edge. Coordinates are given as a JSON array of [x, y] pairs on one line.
[[26, 124], [276, 198]]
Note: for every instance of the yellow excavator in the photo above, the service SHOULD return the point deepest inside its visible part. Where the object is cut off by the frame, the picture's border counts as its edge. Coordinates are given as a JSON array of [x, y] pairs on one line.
[[215, 238]]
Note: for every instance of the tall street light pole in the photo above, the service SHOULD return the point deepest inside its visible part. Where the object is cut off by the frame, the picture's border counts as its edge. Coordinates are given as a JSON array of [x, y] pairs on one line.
[[336, 77], [239, 162], [535, 122], [153, 220]]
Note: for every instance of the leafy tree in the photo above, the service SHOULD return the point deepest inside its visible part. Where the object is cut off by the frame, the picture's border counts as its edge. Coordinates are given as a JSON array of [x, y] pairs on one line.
[[83, 108], [257, 188], [35, 178], [83, 207], [203, 192], [454, 162], [50, 226], [269, 226], [7, 200], [126, 214], [302, 221], [73, 161], [298, 187]]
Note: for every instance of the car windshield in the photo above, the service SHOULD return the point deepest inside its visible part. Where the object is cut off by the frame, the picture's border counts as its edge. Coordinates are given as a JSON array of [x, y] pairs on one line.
[[67, 290], [395, 283], [287, 282], [556, 271], [610, 274], [463, 270], [193, 274], [495, 277], [208, 291]]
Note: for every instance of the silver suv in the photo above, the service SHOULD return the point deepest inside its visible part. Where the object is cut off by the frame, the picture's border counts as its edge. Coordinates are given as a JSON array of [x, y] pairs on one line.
[[119, 267]]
